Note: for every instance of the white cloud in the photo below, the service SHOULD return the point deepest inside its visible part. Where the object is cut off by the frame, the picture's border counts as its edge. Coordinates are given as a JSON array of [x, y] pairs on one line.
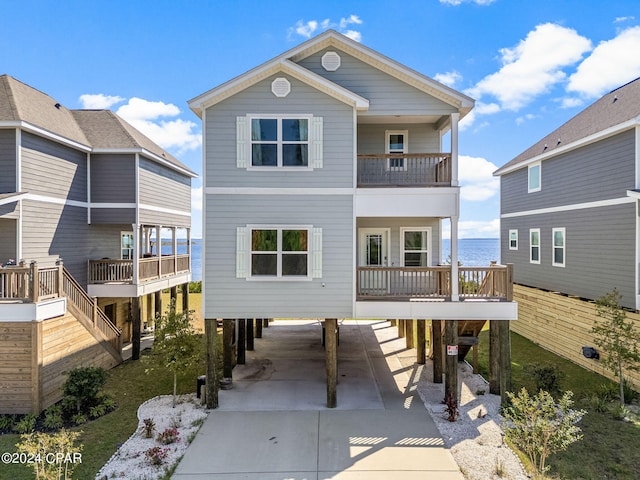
[[479, 229], [533, 66], [196, 199], [308, 28], [178, 134], [611, 64], [571, 102], [480, 109], [459, 2], [448, 78], [99, 101], [624, 19], [476, 178], [526, 117]]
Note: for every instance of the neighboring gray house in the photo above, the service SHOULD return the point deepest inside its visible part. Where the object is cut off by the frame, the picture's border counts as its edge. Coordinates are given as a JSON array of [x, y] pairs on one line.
[[569, 218], [325, 188], [85, 188]]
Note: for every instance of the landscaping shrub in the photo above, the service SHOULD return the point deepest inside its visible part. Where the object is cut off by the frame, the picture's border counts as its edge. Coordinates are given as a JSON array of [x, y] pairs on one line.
[[26, 424], [61, 445], [195, 287], [6, 423], [546, 377], [82, 388], [630, 395], [53, 418]]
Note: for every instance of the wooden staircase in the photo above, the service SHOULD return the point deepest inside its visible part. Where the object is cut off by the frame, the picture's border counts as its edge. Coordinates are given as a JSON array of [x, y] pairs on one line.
[[468, 331]]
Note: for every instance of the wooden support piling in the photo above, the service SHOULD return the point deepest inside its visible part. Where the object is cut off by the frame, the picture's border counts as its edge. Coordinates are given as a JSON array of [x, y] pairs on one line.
[[421, 354], [242, 341], [436, 349], [250, 334], [158, 303], [135, 328], [227, 348], [331, 355], [408, 332], [494, 356], [451, 361], [258, 328], [174, 296], [401, 328], [185, 297], [211, 335], [504, 337], [265, 322]]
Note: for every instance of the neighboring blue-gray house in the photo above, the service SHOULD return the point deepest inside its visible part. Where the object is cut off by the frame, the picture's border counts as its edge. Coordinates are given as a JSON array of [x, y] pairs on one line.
[[84, 197], [326, 184], [569, 217]]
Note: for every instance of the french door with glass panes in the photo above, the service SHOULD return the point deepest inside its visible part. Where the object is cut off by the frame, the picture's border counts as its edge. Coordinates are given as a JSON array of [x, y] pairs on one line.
[[374, 252]]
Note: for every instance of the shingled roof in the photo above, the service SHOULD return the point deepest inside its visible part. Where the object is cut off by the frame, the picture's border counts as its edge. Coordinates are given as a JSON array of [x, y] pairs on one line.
[[94, 129], [613, 109]]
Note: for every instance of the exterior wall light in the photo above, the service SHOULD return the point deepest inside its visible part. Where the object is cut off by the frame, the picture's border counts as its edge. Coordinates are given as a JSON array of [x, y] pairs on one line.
[[590, 352]]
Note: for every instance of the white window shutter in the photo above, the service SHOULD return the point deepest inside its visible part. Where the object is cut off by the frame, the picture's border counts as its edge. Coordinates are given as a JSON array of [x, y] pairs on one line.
[[242, 139], [316, 142], [242, 252], [316, 271]]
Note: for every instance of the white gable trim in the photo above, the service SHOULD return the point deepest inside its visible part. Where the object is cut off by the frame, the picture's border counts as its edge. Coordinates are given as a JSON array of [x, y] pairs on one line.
[[28, 127], [258, 74]]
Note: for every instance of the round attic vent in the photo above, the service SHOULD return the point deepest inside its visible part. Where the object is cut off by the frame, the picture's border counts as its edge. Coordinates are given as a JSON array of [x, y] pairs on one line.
[[281, 87], [331, 61]]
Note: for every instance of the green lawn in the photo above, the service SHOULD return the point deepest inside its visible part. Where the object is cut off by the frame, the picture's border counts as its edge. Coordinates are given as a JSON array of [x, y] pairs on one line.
[[610, 448]]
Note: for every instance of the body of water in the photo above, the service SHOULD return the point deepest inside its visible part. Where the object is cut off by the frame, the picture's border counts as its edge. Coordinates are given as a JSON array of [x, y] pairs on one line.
[[472, 252]]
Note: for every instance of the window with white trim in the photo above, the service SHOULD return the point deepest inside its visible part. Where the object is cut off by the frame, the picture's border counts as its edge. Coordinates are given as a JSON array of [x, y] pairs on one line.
[[415, 246], [397, 143], [272, 142], [513, 239], [534, 245], [534, 177], [279, 252], [559, 245], [126, 245]]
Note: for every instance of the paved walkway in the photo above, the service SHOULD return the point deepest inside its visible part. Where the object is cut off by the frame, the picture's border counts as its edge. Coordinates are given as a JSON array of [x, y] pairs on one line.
[[274, 424]]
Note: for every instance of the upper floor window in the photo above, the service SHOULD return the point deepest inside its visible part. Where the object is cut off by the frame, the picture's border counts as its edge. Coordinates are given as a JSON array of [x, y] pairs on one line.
[[279, 142], [397, 143], [535, 178], [534, 245], [513, 239], [558, 247]]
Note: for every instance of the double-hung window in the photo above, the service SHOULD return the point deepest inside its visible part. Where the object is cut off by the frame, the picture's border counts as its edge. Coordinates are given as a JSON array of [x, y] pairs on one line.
[[558, 247], [534, 245], [279, 252], [513, 239], [280, 142], [415, 247]]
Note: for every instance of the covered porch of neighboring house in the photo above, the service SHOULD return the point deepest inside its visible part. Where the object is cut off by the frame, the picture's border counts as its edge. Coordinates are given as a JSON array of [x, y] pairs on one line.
[[153, 258]]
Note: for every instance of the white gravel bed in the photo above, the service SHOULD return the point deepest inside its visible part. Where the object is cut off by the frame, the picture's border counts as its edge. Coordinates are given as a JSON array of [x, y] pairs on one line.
[[476, 437], [130, 462]]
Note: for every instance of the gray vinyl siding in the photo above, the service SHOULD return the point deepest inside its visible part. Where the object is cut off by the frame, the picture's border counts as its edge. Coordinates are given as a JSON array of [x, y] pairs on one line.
[[113, 178], [53, 170], [7, 161], [599, 252], [51, 231], [387, 95], [226, 296], [165, 188], [600, 171], [113, 215], [104, 241], [8, 244], [394, 225], [422, 138], [338, 134]]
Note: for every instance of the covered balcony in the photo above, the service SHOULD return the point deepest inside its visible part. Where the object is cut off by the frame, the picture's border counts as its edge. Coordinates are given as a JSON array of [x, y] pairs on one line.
[[404, 170], [153, 258]]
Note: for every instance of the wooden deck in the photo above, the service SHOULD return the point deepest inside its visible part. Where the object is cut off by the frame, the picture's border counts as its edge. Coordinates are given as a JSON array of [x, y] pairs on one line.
[[400, 284]]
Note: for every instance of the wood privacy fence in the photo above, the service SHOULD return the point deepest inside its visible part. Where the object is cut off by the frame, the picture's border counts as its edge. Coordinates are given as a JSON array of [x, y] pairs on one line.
[[563, 326], [406, 170]]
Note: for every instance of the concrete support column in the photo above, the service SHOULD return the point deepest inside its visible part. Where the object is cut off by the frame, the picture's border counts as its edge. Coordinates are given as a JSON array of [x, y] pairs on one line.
[[211, 335], [135, 328], [331, 354], [421, 351], [451, 362], [242, 341], [250, 333], [436, 349]]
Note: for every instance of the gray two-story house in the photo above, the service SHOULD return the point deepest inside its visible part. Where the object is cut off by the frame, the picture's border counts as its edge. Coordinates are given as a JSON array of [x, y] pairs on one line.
[[326, 184], [86, 202], [569, 222]]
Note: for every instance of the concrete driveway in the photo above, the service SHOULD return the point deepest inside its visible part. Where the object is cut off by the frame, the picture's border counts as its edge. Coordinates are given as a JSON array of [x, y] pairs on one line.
[[274, 423]]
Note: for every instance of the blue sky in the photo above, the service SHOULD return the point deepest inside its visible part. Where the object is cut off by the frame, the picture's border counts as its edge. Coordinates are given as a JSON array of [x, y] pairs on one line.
[[530, 65]]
